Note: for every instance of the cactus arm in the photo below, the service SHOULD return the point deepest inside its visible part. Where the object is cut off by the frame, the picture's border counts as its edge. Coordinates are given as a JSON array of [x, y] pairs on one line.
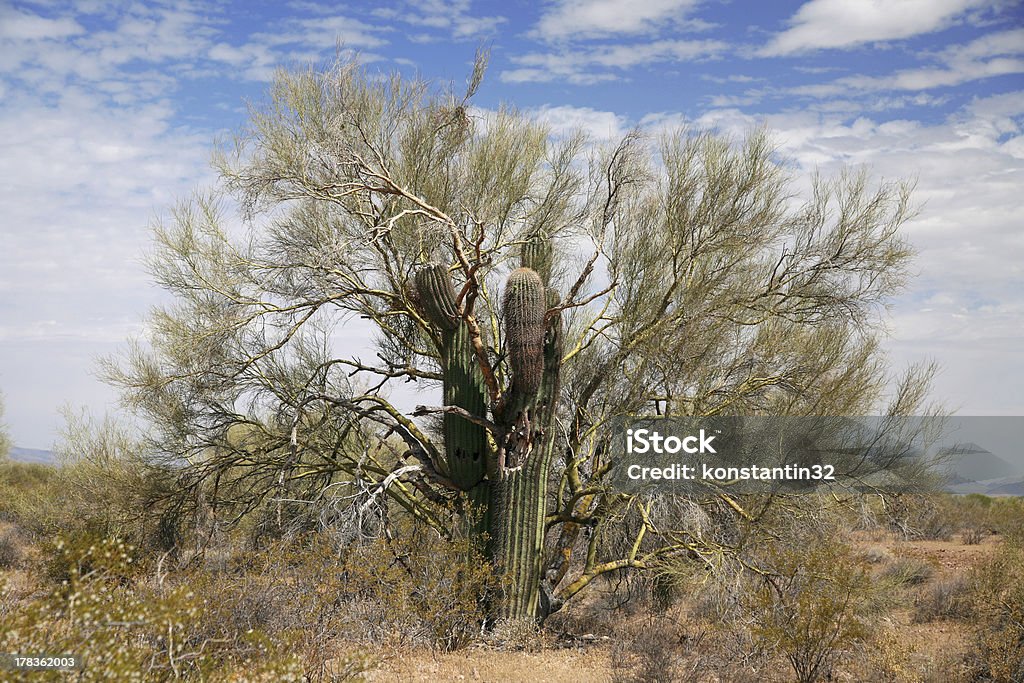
[[525, 306], [465, 440], [537, 254]]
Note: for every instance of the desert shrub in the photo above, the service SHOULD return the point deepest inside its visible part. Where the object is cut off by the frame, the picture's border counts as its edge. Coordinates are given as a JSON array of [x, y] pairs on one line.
[[21, 482], [945, 599], [922, 517], [10, 548], [997, 652], [419, 588], [240, 611], [947, 666], [979, 500], [127, 630], [650, 652], [907, 571], [666, 590], [414, 588], [107, 484], [972, 535], [517, 634], [876, 555], [104, 487], [280, 592], [69, 558], [1007, 517], [978, 515], [887, 657], [809, 606], [582, 617]]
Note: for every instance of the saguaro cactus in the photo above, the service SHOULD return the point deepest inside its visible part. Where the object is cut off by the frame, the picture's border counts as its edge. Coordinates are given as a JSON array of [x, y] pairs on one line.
[[465, 442], [505, 475], [534, 344], [437, 294]]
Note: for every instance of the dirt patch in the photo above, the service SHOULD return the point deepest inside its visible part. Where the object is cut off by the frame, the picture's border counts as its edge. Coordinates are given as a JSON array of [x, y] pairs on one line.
[[496, 666], [948, 557]]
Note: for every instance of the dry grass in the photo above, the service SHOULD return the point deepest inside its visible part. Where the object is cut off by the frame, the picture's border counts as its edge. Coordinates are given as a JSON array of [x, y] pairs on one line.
[[312, 608], [929, 642]]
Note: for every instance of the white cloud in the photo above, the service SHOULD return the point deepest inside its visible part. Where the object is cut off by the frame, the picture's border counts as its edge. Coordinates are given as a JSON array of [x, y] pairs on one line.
[[995, 54], [748, 98], [875, 103], [605, 63], [145, 35], [564, 120], [451, 16], [322, 32], [730, 78], [297, 40], [822, 24], [998, 107], [17, 25], [576, 19], [93, 150]]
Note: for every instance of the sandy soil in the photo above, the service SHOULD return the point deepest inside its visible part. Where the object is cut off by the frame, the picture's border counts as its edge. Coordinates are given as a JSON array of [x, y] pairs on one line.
[[492, 666]]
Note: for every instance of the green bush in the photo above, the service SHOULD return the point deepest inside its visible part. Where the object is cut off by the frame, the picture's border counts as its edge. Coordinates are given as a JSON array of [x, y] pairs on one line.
[[649, 652], [22, 483], [421, 589], [11, 552], [810, 605]]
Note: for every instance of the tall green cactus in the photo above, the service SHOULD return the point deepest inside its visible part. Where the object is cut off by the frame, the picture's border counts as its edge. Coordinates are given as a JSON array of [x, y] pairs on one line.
[[437, 295], [465, 442], [519, 496], [506, 476]]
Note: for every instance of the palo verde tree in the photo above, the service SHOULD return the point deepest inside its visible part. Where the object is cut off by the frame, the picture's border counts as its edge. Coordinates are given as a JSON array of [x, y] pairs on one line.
[[542, 285]]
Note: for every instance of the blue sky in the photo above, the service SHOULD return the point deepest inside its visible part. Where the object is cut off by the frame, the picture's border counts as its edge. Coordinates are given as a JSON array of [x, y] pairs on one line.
[[108, 111]]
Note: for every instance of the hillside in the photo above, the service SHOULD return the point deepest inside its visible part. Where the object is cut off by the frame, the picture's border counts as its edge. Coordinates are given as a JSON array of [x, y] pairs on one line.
[[969, 462], [36, 455]]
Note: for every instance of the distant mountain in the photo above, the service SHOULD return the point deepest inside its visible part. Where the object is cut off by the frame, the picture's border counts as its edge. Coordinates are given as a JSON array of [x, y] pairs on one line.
[[33, 455], [1007, 488], [969, 462], [1004, 486]]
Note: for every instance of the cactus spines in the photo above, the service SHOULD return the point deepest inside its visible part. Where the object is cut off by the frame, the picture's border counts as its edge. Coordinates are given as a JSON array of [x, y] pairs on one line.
[[437, 296], [525, 305], [536, 254]]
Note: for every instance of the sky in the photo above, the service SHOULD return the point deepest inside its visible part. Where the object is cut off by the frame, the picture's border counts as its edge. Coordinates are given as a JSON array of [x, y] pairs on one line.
[[109, 111]]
